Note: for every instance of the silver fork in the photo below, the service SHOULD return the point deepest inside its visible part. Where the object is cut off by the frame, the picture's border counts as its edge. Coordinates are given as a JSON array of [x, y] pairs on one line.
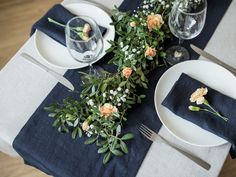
[[152, 136]]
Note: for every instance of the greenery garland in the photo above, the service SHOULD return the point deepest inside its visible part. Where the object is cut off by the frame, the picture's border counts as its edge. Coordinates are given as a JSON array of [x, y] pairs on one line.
[[101, 111]]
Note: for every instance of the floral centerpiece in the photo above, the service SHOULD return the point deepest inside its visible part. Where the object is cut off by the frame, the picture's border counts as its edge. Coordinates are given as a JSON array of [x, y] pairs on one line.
[[101, 111]]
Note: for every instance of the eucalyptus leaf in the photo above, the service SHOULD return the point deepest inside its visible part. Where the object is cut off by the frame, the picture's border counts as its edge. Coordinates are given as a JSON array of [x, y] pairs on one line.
[[90, 140], [107, 157], [116, 152], [124, 147], [127, 136]]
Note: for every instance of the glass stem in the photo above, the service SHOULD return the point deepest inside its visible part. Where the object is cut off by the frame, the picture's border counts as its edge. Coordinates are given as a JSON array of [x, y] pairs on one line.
[[180, 43]]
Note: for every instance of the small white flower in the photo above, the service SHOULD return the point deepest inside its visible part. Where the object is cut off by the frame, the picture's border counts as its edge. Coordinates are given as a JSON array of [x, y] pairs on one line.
[[126, 90], [88, 134], [118, 99], [143, 46], [125, 48], [111, 97], [138, 52], [123, 99], [134, 50], [119, 104], [140, 19], [104, 95], [124, 96], [119, 89], [90, 102], [111, 91], [115, 93], [121, 44], [91, 126], [136, 16], [167, 6]]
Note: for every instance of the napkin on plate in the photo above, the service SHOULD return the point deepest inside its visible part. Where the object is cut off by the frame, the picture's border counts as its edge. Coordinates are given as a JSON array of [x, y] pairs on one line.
[[61, 15], [178, 102]]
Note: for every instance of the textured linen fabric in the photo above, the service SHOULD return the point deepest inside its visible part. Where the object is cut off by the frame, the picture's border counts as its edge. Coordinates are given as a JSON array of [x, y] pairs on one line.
[[57, 154], [61, 15], [177, 101]]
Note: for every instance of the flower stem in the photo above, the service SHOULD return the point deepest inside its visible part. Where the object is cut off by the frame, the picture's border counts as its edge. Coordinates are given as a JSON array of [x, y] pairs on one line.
[[214, 111], [78, 29]]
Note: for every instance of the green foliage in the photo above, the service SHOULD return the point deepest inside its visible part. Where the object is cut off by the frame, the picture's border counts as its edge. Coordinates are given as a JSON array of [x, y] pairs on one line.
[[84, 116]]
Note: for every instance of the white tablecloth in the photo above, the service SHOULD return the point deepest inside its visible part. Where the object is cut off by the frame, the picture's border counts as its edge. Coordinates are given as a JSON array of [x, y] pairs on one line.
[[23, 87]]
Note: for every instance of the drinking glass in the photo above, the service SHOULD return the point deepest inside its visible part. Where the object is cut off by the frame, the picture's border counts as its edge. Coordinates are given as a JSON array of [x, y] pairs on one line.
[[186, 21], [81, 49]]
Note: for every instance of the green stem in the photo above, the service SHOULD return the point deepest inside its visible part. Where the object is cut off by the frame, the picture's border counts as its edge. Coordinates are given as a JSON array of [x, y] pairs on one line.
[[78, 29], [214, 112]]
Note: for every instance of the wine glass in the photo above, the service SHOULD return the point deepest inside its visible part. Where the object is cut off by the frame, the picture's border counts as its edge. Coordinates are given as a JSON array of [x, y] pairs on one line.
[[186, 21], [84, 41]]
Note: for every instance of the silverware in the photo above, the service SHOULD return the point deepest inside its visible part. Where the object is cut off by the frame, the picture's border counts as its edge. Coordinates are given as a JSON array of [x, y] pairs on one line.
[[212, 58], [152, 136], [56, 75]]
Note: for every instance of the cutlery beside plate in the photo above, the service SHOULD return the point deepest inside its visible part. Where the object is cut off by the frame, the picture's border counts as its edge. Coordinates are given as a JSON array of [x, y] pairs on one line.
[[54, 74]]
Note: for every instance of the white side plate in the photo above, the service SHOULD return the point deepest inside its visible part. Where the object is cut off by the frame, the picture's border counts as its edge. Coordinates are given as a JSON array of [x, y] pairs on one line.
[[210, 74], [56, 54]]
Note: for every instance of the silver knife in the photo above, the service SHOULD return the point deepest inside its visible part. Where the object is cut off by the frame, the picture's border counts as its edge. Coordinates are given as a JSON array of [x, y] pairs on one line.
[[212, 58], [56, 75]]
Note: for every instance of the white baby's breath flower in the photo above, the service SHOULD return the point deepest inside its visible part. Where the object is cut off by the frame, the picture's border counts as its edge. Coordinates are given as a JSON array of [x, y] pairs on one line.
[[115, 93], [111, 97], [134, 50], [118, 99], [124, 96], [90, 102], [119, 104], [126, 90], [91, 126], [119, 89], [104, 95], [125, 48], [136, 15], [138, 52], [167, 6], [123, 99], [126, 53], [111, 91], [88, 134]]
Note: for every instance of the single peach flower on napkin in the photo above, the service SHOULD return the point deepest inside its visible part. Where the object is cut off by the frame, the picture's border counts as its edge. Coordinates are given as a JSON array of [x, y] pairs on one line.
[[150, 52], [127, 72], [154, 21], [198, 95], [107, 110]]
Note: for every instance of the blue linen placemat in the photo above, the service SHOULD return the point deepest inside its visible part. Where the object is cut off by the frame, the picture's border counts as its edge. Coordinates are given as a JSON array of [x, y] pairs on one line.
[[43, 147], [181, 92]]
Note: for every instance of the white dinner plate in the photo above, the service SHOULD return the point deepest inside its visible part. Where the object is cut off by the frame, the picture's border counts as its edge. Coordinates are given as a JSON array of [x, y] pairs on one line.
[[206, 72], [56, 54]]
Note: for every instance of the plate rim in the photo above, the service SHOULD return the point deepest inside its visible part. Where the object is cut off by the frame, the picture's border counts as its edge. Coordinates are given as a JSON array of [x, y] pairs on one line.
[[37, 32], [168, 129]]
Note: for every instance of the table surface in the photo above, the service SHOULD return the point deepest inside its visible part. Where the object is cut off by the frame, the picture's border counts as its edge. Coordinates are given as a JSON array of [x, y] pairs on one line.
[[23, 87]]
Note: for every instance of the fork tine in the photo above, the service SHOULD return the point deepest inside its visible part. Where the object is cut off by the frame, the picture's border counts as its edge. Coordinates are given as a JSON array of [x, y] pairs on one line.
[[144, 134], [147, 128]]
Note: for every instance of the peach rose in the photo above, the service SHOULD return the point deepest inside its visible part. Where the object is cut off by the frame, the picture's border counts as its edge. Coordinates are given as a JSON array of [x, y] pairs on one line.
[[86, 28], [154, 21], [85, 125], [107, 110], [198, 95], [150, 52], [133, 24], [127, 72]]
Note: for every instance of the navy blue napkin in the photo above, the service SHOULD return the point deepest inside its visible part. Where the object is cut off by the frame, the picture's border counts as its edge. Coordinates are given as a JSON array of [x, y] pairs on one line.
[[61, 15], [177, 101]]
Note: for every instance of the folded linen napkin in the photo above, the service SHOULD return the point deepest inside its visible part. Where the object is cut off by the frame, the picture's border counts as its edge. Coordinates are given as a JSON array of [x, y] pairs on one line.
[[178, 102], [61, 15]]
